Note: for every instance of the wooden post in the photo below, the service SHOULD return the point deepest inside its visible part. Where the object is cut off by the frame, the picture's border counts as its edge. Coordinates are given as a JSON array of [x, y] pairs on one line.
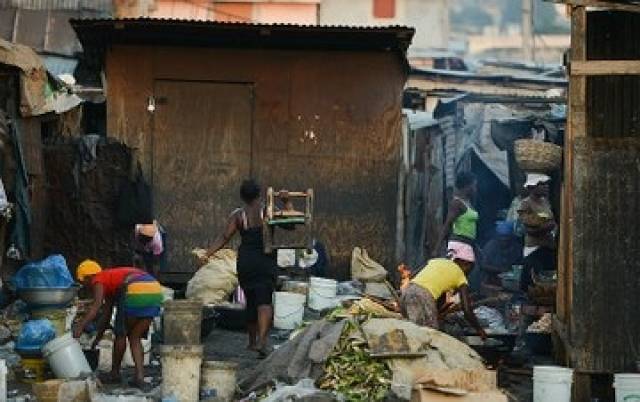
[[576, 127]]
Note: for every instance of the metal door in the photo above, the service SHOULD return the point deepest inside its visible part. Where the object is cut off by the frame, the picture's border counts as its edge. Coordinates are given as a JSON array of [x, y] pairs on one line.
[[201, 154]]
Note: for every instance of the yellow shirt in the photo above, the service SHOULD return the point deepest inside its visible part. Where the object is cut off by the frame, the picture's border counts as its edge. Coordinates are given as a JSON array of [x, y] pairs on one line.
[[439, 276]]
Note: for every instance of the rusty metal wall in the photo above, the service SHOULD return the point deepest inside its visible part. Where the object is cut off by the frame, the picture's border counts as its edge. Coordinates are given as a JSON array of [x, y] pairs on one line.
[[604, 326], [326, 120], [201, 144], [612, 101]]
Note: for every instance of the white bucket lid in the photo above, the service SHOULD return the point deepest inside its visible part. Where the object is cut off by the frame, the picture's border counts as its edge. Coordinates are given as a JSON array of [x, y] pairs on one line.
[[323, 281], [290, 296], [554, 374], [627, 380]]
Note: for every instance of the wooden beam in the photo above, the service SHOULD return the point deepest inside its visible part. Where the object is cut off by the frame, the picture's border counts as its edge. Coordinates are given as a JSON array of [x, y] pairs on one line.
[[605, 67], [576, 127], [610, 5]]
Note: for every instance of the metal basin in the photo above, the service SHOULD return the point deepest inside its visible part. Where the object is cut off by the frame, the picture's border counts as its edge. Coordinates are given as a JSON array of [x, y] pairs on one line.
[[48, 297]]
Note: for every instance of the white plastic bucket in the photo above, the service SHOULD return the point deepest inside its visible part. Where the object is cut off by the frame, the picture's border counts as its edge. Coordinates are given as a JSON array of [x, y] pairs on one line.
[[322, 293], [627, 387], [288, 310], [66, 358], [181, 371], [552, 384], [218, 382]]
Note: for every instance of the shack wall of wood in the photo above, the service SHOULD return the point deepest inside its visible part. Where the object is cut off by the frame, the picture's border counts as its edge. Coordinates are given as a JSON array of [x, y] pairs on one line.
[[598, 266], [292, 119]]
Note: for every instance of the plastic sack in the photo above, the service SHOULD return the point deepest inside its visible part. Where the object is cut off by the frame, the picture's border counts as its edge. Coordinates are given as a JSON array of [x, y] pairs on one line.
[[34, 334], [239, 297], [490, 319], [52, 272], [364, 269], [305, 388], [215, 281]]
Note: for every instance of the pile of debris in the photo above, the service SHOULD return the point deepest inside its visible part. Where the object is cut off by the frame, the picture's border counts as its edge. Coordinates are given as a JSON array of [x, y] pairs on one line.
[[360, 354]]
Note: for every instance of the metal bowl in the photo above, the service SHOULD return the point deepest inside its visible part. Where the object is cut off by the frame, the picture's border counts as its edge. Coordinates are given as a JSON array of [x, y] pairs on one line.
[[48, 297]]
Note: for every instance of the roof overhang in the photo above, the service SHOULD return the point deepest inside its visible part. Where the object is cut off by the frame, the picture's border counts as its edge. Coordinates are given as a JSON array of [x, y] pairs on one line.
[[100, 33]]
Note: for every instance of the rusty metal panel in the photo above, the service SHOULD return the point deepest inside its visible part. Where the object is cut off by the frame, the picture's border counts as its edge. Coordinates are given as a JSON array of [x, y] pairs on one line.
[[32, 28], [604, 322], [7, 18], [613, 101], [60, 36], [351, 160], [201, 154]]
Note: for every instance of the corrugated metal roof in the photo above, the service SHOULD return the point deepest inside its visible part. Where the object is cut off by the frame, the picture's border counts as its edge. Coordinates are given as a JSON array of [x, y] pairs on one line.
[[179, 32], [215, 23], [506, 79], [97, 5]]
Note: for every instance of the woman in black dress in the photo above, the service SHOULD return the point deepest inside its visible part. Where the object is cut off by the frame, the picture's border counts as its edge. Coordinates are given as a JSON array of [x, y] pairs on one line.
[[256, 270]]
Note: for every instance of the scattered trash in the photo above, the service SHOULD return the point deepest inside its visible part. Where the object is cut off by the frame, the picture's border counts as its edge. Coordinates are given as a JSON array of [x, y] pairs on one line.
[[305, 388], [543, 326], [35, 334], [351, 371], [490, 319], [350, 288]]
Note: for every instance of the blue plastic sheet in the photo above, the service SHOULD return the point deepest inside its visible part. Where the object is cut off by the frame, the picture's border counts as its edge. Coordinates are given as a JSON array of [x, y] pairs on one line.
[[34, 334], [52, 272]]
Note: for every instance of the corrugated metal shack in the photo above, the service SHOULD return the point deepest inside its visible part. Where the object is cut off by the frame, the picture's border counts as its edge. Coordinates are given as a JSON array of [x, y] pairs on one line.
[[44, 26], [598, 298], [479, 117], [294, 106]]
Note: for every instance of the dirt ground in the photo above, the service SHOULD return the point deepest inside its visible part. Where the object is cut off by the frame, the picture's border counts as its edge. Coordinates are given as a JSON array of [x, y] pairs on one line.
[[228, 345]]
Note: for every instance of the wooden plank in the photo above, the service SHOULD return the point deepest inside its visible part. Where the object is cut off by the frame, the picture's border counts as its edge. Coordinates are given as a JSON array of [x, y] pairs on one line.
[[575, 128], [605, 67], [602, 4]]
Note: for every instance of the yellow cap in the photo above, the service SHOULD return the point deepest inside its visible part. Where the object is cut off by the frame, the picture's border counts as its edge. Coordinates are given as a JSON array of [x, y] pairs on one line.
[[86, 268]]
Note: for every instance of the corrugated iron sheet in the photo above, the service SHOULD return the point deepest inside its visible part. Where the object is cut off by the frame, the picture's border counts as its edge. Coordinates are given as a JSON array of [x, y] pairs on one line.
[[177, 32], [604, 323], [97, 5]]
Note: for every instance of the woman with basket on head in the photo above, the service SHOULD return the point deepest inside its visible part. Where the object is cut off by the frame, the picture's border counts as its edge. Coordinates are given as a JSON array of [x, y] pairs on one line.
[[537, 216]]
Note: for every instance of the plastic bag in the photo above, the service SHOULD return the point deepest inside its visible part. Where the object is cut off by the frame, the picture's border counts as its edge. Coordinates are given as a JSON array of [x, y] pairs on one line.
[[34, 334], [490, 319], [365, 269], [52, 272], [214, 282]]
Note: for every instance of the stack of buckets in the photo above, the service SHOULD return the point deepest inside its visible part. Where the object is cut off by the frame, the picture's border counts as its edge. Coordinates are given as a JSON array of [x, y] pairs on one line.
[[289, 306], [184, 375]]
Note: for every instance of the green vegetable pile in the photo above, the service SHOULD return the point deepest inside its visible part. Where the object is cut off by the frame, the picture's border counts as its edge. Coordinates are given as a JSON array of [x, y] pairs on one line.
[[351, 371]]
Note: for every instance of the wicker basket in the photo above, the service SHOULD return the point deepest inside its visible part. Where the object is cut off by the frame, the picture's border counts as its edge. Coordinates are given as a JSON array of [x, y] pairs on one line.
[[537, 156]]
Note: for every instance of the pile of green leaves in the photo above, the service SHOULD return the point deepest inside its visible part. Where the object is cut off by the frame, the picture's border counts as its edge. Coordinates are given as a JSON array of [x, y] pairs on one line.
[[351, 371]]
